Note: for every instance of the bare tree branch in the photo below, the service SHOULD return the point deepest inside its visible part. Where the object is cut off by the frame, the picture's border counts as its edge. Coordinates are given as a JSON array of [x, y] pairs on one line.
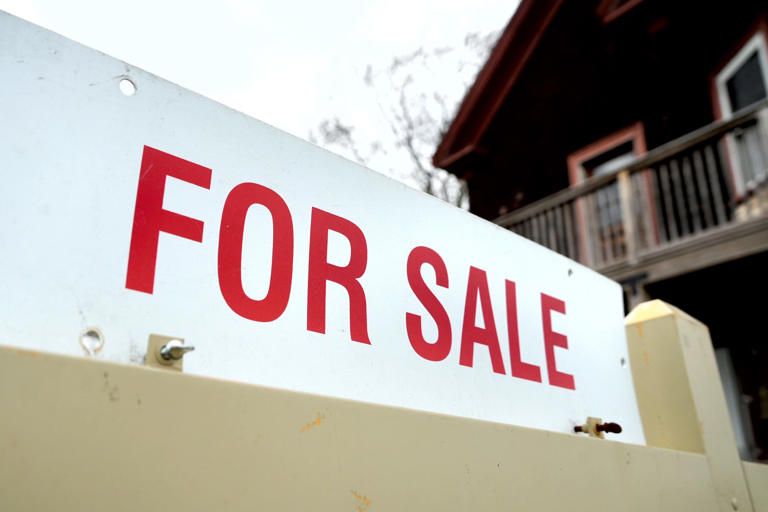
[[416, 111]]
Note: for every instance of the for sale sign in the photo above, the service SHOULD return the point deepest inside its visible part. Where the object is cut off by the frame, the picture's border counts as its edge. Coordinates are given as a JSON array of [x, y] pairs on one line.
[[284, 265]]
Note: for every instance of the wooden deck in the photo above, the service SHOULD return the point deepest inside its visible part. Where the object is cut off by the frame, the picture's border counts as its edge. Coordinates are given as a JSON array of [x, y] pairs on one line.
[[694, 202]]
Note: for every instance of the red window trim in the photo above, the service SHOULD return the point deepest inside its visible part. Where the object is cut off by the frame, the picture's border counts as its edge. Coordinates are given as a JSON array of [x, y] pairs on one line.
[[633, 133]]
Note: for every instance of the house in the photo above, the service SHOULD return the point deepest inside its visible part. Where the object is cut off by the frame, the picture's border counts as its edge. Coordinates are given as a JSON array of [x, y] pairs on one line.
[[632, 136]]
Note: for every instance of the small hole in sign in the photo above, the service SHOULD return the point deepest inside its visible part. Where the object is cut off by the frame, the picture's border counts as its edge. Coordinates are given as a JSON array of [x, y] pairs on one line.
[[623, 362], [127, 87], [92, 340]]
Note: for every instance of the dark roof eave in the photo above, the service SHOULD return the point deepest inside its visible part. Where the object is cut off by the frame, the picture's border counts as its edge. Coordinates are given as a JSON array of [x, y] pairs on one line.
[[494, 81]]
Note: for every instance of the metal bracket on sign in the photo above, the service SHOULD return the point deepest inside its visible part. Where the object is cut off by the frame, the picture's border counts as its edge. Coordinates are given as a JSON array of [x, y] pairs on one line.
[[166, 352]]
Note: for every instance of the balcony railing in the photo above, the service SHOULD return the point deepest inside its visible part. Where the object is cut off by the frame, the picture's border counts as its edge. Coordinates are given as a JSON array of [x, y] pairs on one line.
[[674, 193]]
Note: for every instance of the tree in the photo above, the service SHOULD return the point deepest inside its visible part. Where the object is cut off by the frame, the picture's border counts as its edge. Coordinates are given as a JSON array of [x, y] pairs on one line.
[[416, 97]]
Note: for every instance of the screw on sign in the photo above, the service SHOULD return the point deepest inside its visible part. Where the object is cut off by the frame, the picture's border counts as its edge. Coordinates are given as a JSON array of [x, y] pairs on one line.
[[596, 428], [613, 428], [150, 219]]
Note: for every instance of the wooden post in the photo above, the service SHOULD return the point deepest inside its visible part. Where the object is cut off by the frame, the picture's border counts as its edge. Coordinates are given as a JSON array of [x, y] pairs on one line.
[[762, 123], [627, 215], [680, 396]]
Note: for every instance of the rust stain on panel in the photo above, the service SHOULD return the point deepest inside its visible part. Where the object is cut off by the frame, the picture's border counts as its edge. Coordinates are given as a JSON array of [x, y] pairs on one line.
[[363, 501], [28, 353], [112, 391], [312, 424]]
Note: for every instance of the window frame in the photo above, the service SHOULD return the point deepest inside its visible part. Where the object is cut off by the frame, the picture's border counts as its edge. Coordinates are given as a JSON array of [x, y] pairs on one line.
[[577, 174], [756, 41]]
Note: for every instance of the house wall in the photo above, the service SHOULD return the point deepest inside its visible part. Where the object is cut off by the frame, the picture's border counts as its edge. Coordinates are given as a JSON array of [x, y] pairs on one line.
[[587, 79]]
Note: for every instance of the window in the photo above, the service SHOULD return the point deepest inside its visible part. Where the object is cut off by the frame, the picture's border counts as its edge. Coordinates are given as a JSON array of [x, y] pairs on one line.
[[742, 83], [746, 87], [601, 228], [611, 160]]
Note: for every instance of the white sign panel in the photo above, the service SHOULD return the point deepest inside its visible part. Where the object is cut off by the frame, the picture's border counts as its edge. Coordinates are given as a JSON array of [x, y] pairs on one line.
[[284, 265]]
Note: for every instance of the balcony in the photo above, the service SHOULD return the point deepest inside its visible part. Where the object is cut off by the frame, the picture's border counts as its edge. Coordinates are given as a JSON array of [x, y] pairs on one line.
[[694, 202]]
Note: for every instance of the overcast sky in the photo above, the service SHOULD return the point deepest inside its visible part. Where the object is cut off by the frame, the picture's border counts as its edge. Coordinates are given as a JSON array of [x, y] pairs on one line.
[[289, 63]]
